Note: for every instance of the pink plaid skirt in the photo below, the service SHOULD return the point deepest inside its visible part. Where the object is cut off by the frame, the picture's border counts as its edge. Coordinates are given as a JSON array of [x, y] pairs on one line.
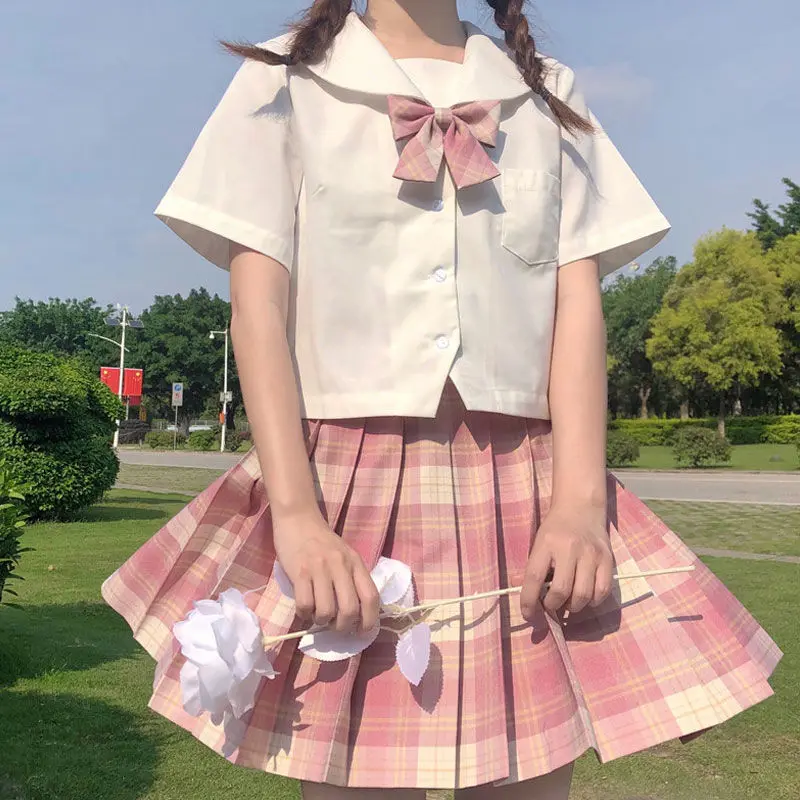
[[457, 498]]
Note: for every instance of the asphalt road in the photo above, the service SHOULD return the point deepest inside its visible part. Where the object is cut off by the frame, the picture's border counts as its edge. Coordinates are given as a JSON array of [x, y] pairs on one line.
[[780, 488]]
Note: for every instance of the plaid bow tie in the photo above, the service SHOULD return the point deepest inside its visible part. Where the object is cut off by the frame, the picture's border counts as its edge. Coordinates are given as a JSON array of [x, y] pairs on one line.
[[454, 134]]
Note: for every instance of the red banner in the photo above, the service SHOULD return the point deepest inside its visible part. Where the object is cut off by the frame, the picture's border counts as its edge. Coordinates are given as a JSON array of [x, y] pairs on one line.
[[132, 382], [110, 377]]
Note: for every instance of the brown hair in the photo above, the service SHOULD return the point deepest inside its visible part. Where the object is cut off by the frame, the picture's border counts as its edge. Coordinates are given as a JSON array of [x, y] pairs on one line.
[[315, 32]]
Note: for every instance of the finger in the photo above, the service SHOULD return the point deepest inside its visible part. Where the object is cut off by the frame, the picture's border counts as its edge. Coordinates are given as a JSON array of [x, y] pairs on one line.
[[536, 574], [304, 597], [368, 597], [324, 596], [583, 586], [604, 579], [348, 607], [563, 581]]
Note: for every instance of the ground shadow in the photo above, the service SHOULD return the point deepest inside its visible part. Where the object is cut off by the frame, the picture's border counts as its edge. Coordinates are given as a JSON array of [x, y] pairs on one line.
[[114, 513], [36, 640], [71, 748]]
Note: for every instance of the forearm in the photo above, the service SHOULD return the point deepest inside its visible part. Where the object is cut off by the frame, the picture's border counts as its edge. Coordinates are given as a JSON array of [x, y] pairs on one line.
[[579, 389], [269, 388]]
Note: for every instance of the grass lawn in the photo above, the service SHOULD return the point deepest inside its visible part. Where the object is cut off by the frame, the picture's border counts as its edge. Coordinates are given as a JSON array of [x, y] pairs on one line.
[[74, 688], [728, 526], [743, 456], [176, 479]]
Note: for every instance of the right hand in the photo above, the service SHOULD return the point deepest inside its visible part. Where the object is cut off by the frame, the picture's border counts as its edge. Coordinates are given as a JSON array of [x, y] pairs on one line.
[[332, 585]]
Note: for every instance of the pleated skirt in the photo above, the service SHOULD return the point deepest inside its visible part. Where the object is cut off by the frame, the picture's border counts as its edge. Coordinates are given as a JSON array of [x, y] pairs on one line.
[[459, 499]]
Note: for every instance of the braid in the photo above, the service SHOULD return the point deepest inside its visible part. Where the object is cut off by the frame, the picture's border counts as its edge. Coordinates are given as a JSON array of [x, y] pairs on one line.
[[510, 17], [313, 35]]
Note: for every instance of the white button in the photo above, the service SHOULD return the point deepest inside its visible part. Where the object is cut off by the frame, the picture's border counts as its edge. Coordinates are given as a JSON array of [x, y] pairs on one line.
[[438, 205], [440, 275], [442, 342]]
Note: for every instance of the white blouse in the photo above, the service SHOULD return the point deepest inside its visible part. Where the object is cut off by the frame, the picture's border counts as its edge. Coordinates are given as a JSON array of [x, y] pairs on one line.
[[398, 284]]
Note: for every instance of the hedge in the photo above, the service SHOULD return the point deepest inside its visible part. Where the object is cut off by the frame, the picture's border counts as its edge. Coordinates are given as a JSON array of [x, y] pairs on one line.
[[739, 430], [56, 424]]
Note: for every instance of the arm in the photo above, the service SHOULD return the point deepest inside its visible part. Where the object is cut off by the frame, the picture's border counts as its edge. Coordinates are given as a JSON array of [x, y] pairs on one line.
[[572, 540], [330, 580]]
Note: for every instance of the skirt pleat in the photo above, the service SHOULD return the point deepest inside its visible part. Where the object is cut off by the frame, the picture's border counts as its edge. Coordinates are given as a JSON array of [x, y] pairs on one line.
[[459, 499]]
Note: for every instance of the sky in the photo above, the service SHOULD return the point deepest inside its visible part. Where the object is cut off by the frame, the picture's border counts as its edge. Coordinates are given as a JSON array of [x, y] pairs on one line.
[[101, 101]]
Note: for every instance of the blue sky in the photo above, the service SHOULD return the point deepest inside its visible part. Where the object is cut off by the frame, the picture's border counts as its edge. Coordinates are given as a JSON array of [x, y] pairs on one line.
[[100, 101]]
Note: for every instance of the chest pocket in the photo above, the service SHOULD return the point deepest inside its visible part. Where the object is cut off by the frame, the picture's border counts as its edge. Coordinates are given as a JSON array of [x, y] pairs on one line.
[[532, 202]]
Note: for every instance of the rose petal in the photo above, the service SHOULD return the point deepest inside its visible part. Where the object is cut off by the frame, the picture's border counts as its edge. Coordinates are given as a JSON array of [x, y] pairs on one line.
[[225, 638], [242, 618], [215, 683], [197, 639], [414, 652], [282, 579], [207, 607], [392, 578], [335, 646], [243, 694], [190, 689]]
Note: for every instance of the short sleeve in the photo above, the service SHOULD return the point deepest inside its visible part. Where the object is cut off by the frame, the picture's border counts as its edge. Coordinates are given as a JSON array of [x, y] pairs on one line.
[[241, 179], [605, 210]]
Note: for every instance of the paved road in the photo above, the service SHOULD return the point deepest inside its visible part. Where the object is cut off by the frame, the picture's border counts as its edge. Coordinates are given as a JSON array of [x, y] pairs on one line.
[[780, 488]]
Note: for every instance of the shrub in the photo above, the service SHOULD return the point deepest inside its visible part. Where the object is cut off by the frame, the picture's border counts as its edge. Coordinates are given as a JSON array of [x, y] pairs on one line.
[[202, 440], [133, 431], [697, 447], [786, 430], [56, 424], [245, 446], [164, 440], [12, 523], [622, 450], [648, 432], [235, 439]]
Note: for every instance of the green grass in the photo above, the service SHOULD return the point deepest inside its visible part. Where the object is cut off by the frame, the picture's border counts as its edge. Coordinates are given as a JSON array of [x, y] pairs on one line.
[[755, 457], [176, 479], [728, 526], [74, 688]]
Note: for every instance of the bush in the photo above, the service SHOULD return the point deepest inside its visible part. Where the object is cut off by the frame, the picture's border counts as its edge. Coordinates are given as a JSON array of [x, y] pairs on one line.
[[786, 430], [56, 424], [202, 440], [164, 440], [12, 523], [245, 446], [235, 439], [133, 431], [740, 430], [698, 447], [622, 450]]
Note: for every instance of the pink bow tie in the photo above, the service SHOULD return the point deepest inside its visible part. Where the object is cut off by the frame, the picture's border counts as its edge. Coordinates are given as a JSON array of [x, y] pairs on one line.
[[455, 134]]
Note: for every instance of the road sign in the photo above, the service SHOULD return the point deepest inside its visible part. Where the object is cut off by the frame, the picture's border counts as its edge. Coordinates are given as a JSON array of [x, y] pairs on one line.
[[177, 394], [226, 397]]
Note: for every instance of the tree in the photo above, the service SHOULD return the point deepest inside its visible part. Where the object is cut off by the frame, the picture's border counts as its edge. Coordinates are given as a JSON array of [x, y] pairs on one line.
[[61, 327], [785, 259], [174, 346], [770, 229], [718, 326], [630, 304]]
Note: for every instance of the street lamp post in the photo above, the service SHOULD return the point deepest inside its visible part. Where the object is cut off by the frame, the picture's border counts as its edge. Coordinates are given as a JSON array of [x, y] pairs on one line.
[[124, 321], [213, 335]]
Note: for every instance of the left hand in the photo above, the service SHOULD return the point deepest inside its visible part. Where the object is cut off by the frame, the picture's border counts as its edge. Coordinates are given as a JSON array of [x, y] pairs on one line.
[[572, 542]]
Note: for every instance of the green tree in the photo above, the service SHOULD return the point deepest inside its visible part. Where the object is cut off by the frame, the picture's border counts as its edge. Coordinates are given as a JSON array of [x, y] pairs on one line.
[[718, 327], [174, 346], [60, 327], [769, 228], [785, 259], [630, 305]]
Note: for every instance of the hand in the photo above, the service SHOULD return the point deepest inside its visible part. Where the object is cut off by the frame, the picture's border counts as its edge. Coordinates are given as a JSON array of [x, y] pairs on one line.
[[573, 545], [331, 582]]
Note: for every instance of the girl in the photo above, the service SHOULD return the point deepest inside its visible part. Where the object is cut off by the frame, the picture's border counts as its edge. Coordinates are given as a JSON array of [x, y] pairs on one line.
[[415, 217]]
